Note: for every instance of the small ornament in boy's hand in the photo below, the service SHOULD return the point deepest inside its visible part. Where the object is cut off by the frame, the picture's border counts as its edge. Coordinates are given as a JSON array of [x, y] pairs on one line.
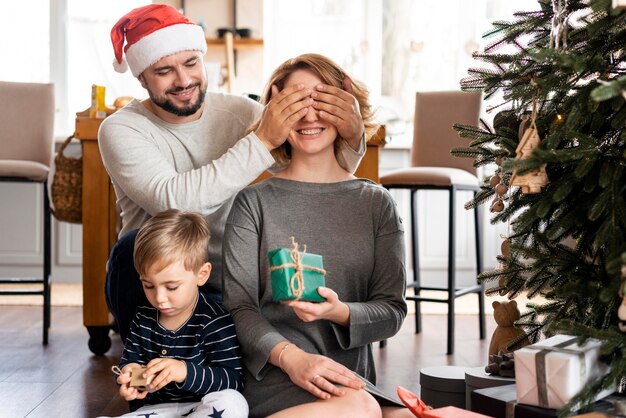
[[296, 275], [137, 380]]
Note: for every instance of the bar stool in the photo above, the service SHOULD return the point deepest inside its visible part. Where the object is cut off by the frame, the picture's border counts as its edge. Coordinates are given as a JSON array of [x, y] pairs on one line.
[[433, 168], [26, 140]]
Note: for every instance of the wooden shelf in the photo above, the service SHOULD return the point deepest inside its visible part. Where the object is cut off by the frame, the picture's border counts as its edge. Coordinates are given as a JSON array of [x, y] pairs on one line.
[[238, 43]]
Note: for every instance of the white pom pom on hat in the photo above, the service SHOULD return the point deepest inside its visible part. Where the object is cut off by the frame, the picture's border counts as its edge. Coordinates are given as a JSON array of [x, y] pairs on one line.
[[120, 67], [151, 33]]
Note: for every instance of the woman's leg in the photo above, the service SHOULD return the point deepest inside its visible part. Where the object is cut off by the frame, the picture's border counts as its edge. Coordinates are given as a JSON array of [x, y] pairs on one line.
[[396, 412], [355, 403]]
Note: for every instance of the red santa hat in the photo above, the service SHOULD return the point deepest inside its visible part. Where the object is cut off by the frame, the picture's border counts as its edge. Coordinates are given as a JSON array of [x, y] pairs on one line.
[[153, 32]]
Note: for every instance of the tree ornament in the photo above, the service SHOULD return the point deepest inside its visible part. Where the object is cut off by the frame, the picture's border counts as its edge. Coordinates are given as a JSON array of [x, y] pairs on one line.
[[560, 18], [532, 181], [505, 247], [496, 182], [505, 251], [501, 189], [497, 205]]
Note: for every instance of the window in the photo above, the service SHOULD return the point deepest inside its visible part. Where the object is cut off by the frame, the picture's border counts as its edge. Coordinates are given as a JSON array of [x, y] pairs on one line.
[[68, 43], [395, 46], [90, 54], [28, 59], [428, 44], [347, 31]]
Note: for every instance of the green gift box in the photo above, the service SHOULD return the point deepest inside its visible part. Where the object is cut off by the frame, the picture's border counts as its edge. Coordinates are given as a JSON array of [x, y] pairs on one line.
[[296, 275]]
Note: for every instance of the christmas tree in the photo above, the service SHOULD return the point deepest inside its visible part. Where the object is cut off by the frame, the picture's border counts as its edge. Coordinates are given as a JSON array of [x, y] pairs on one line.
[[561, 73]]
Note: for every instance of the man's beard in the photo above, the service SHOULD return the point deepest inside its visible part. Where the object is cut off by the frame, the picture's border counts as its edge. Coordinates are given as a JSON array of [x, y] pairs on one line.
[[165, 103]]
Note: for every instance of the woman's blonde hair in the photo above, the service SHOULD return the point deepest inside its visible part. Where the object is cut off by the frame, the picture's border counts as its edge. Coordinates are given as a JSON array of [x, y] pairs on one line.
[[330, 73], [169, 237]]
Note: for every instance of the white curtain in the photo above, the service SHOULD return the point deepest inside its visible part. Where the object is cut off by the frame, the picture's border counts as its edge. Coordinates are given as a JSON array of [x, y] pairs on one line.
[[90, 54], [428, 44], [347, 31], [396, 46]]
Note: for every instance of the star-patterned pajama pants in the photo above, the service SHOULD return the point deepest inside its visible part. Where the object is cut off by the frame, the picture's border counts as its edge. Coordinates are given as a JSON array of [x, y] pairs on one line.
[[226, 403]]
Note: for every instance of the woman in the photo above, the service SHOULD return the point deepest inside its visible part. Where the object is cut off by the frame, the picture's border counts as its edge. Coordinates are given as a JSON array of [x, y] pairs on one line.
[[310, 359]]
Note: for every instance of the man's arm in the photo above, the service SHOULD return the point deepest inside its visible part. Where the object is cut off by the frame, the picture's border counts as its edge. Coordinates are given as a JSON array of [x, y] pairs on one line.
[[156, 173]]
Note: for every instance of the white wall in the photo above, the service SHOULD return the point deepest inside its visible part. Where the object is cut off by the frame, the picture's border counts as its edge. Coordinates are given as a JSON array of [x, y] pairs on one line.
[[218, 14], [21, 237]]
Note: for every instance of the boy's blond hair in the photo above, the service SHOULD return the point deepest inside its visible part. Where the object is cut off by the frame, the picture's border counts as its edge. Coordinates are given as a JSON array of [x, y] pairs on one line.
[[169, 237]]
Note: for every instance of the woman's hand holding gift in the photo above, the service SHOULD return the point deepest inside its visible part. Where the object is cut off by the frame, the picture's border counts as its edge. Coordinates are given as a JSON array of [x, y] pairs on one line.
[[332, 310]]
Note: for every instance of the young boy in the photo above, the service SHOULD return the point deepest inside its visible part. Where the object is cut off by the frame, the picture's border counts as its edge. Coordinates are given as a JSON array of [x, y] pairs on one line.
[[187, 342]]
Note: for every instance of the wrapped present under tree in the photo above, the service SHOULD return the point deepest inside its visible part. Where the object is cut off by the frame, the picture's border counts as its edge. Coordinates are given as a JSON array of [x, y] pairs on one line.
[[550, 373]]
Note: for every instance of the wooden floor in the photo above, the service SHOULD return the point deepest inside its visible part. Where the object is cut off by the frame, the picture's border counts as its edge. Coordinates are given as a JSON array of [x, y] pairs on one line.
[[65, 379]]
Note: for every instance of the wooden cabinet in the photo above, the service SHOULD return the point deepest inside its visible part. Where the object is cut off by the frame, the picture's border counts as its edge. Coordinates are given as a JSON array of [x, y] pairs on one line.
[[99, 235], [371, 160]]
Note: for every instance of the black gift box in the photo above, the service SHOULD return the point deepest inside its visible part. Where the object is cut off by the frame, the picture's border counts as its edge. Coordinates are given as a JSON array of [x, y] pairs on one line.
[[497, 401]]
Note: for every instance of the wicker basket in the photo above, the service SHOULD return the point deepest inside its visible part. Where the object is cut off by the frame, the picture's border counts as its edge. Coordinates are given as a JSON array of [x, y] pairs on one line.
[[67, 186]]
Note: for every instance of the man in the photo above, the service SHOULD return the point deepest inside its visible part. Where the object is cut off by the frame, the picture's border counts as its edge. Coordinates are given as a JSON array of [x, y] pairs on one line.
[[187, 148]]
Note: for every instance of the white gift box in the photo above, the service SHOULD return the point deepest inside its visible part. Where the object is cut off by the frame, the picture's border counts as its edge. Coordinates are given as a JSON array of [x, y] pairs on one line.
[[548, 374], [619, 4]]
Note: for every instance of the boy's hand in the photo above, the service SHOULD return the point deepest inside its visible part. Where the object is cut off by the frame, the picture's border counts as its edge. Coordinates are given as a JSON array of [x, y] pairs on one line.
[[165, 370], [128, 392]]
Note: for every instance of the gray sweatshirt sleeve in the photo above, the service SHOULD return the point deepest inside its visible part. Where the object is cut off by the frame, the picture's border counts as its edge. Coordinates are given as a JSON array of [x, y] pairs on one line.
[[154, 176], [348, 158], [240, 287], [382, 315]]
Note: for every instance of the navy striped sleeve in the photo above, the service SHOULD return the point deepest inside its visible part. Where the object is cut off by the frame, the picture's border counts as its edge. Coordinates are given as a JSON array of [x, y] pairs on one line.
[[221, 367]]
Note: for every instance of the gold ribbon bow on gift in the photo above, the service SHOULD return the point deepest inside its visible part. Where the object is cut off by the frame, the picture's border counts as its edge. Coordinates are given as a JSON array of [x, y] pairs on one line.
[[296, 282]]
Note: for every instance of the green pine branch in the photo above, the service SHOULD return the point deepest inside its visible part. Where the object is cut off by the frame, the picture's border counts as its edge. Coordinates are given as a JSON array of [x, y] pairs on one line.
[[568, 242]]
